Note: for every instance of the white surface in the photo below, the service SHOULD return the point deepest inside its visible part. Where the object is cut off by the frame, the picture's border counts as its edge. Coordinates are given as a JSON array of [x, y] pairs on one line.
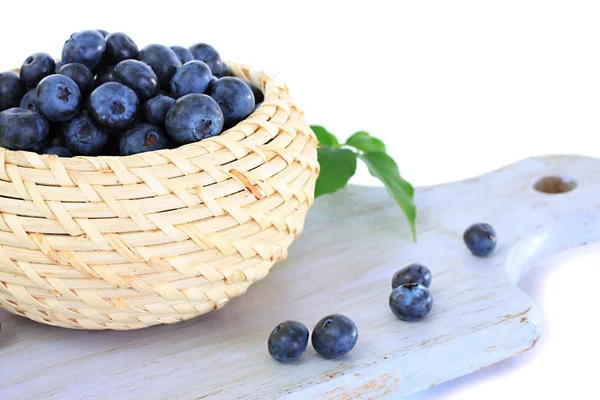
[[454, 88]]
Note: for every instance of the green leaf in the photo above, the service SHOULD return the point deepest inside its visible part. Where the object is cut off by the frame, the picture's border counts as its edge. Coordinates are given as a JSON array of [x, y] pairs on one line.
[[386, 170], [325, 138], [337, 167], [365, 142]]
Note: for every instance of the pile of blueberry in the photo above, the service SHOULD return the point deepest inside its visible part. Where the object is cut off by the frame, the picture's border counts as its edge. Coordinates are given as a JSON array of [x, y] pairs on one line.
[[332, 337], [107, 97]]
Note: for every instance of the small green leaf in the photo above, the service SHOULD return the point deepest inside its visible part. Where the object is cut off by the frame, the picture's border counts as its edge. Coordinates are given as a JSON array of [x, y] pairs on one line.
[[337, 167], [365, 142], [325, 138], [386, 170]]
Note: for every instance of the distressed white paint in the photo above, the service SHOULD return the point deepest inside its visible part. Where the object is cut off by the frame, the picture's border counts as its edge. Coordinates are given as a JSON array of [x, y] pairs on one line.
[[353, 243]]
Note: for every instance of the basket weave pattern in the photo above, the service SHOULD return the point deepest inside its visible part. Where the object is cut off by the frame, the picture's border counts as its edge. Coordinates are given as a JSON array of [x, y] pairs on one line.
[[158, 237]]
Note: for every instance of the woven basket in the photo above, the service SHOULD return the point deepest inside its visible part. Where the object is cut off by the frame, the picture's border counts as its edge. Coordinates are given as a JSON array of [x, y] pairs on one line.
[[158, 237]]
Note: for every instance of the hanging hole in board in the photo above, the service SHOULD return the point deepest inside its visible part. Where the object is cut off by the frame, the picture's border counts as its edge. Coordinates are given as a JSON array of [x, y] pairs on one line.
[[555, 184]]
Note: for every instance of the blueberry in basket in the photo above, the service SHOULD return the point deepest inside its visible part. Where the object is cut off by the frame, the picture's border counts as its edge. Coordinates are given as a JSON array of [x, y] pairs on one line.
[[234, 97], [142, 138], [155, 109], [29, 101], [83, 136], [21, 128], [137, 76], [35, 68], [194, 117], [11, 90], [105, 96], [81, 75]]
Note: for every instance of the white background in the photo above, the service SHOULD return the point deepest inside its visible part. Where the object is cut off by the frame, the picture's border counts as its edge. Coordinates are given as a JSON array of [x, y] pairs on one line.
[[454, 89]]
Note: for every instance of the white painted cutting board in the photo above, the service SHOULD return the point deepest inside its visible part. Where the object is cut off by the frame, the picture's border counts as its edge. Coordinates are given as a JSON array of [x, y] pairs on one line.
[[353, 243]]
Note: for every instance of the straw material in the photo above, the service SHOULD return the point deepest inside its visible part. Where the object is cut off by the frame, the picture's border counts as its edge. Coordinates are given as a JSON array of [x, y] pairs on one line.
[[158, 237]]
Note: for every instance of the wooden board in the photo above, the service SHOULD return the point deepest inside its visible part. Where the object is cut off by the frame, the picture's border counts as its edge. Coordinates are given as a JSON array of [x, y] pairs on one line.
[[343, 263]]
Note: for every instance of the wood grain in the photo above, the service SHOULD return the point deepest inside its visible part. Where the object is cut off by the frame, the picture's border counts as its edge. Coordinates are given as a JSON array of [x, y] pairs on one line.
[[343, 263]]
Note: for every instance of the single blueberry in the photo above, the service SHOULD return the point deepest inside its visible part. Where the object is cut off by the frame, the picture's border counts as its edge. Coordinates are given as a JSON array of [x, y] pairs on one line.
[[193, 77], [410, 302], [334, 336], [207, 54], [21, 129], [414, 273], [59, 151], [194, 117], [182, 54], [11, 90], [259, 96], [58, 98], [103, 32], [83, 136], [105, 74], [113, 106], [40, 146], [155, 109], [163, 61], [81, 75], [35, 68], [234, 97], [480, 239], [58, 66], [29, 101], [85, 47], [288, 341], [120, 47], [137, 76], [142, 138]]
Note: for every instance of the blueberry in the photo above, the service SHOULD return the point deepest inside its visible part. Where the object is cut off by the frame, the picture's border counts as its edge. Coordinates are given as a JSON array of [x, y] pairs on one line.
[[120, 47], [29, 101], [85, 47], [288, 341], [142, 138], [259, 96], [105, 74], [83, 136], [11, 90], [163, 61], [113, 106], [58, 65], [155, 109], [59, 151], [58, 98], [194, 117], [410, 302], [138, 76], [234, 97], [35, 68], [182, 54], [103, 32], [81, 75], [480, 239], [414, 273], [207, 54], [192, 77], [21, 129], [334, 336]]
